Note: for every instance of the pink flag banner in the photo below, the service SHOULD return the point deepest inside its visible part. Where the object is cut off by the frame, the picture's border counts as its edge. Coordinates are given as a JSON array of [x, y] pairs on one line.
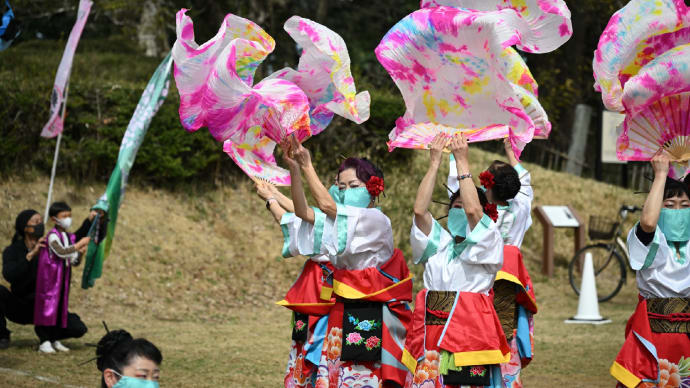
[[57, 98]]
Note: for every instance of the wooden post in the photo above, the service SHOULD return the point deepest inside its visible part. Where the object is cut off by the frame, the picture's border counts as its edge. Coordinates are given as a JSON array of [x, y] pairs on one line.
[[547, 250], [579, 231], [547, 265]]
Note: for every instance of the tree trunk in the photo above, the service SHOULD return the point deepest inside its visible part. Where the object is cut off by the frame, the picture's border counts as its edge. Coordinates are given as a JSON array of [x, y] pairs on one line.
[[147, 31]]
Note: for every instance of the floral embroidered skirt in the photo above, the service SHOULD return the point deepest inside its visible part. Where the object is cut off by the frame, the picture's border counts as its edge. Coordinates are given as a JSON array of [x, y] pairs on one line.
[[308, 332], [300, 373], [372, 337]]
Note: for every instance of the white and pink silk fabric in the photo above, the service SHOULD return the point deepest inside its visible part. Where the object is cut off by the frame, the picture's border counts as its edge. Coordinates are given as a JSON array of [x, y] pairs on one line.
[[454, 64], [642, 68], [217, 89]]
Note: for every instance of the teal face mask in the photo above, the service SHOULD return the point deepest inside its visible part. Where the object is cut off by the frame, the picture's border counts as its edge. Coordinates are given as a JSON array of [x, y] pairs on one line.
[[357, 197], [133, 382], [457, 222], [675, 224], [336, 194]]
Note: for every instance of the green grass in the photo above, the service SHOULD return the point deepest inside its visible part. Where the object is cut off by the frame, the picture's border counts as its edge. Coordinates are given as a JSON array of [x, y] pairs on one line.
[[197, 273]]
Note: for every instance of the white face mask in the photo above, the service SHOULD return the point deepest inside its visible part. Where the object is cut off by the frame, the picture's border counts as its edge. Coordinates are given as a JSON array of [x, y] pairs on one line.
[[65, 223]]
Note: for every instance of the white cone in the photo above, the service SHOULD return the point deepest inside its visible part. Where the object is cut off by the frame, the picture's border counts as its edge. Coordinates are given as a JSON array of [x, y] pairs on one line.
[[588, 305]]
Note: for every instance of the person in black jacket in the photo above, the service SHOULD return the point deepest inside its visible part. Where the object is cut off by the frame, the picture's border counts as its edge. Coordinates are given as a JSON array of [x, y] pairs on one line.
[[19, 266]]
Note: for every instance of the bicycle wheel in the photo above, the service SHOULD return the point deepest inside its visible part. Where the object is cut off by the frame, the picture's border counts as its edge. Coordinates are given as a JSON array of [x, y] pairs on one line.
[[609, 270]]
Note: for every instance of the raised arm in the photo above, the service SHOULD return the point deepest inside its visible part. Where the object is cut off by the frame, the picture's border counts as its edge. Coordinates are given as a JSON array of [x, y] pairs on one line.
[[422, 217], [267, 192], [655, 198], [510, 154], [299, 200], [283, 200], [323, 199], [468, 192]]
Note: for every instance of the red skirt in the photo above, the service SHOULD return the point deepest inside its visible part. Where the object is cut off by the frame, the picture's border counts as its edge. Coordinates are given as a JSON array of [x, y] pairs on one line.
[[651, 359]]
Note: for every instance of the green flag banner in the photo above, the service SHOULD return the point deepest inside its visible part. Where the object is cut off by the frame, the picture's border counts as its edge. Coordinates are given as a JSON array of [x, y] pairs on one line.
[[149, 103]]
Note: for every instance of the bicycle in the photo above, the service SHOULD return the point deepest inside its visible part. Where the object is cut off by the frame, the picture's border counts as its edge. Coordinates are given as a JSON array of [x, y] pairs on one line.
[[608, 257]]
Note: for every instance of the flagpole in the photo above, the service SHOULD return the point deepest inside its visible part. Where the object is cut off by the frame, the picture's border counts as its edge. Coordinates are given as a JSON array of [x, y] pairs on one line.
[[55, 158]]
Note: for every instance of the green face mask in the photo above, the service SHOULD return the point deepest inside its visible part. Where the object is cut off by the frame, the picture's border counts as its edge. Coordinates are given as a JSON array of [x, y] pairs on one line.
[[457, 222], [336, 194], [357, 197], [675, 224], [133, 382]]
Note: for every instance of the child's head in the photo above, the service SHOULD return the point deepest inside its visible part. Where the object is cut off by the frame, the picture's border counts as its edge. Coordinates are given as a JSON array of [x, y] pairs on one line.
[[61, 214], [506, 182]]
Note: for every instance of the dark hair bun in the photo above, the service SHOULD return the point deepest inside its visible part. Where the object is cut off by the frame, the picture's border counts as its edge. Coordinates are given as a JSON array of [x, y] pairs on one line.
[[507, 182], [108, 344]]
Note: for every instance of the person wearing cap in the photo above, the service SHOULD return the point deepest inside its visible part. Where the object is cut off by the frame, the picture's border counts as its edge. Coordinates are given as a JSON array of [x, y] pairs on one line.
[[19, 267], [51, 315]]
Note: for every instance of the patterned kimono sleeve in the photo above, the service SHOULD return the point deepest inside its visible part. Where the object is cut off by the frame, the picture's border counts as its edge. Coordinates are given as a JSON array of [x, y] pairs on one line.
[[424, 246], [484, 245], [304, 238], [56, 245], [650, 256]]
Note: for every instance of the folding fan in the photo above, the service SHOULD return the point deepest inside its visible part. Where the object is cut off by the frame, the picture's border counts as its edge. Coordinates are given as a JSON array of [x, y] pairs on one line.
[[662, 124]]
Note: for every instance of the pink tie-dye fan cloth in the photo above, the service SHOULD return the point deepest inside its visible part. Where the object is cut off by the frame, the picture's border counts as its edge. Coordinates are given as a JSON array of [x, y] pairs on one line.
[[452, 69], [642, 68], [548, 21], [216, 87]]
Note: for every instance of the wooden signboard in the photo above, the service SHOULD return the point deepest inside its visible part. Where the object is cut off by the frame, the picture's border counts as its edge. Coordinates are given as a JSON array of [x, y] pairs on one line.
[[552, 217]]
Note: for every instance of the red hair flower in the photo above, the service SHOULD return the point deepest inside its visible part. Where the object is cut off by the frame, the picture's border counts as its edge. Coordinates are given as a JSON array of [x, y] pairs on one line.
[[491, 210], [375, 186], [486, 179]]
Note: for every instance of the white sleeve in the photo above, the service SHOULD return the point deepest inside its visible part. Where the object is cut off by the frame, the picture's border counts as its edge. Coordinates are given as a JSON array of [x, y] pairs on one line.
[[647, 256], [361, 238], [424, 246], [303, 238], [452, 183], [484, 245], [362, 229]]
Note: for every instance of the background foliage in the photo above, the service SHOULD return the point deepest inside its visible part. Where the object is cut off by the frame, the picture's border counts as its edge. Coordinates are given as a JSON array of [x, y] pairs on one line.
[[111, 69]]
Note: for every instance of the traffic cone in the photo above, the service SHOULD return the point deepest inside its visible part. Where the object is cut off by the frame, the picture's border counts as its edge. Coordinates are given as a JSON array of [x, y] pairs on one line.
[[588, 305]]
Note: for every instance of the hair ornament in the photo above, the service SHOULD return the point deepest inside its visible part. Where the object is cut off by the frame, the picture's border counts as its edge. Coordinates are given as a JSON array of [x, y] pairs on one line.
[[486, 179], [375, 186], [491, 210]]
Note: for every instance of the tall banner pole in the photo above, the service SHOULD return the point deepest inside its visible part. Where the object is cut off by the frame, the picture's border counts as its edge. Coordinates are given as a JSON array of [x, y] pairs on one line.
[[55, 159]]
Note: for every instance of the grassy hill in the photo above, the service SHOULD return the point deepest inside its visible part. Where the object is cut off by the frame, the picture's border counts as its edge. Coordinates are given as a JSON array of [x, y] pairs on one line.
[[197, 272]]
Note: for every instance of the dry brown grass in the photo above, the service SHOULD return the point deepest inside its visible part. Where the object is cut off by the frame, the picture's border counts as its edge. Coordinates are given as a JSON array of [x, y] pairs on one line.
[[197, 274]]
